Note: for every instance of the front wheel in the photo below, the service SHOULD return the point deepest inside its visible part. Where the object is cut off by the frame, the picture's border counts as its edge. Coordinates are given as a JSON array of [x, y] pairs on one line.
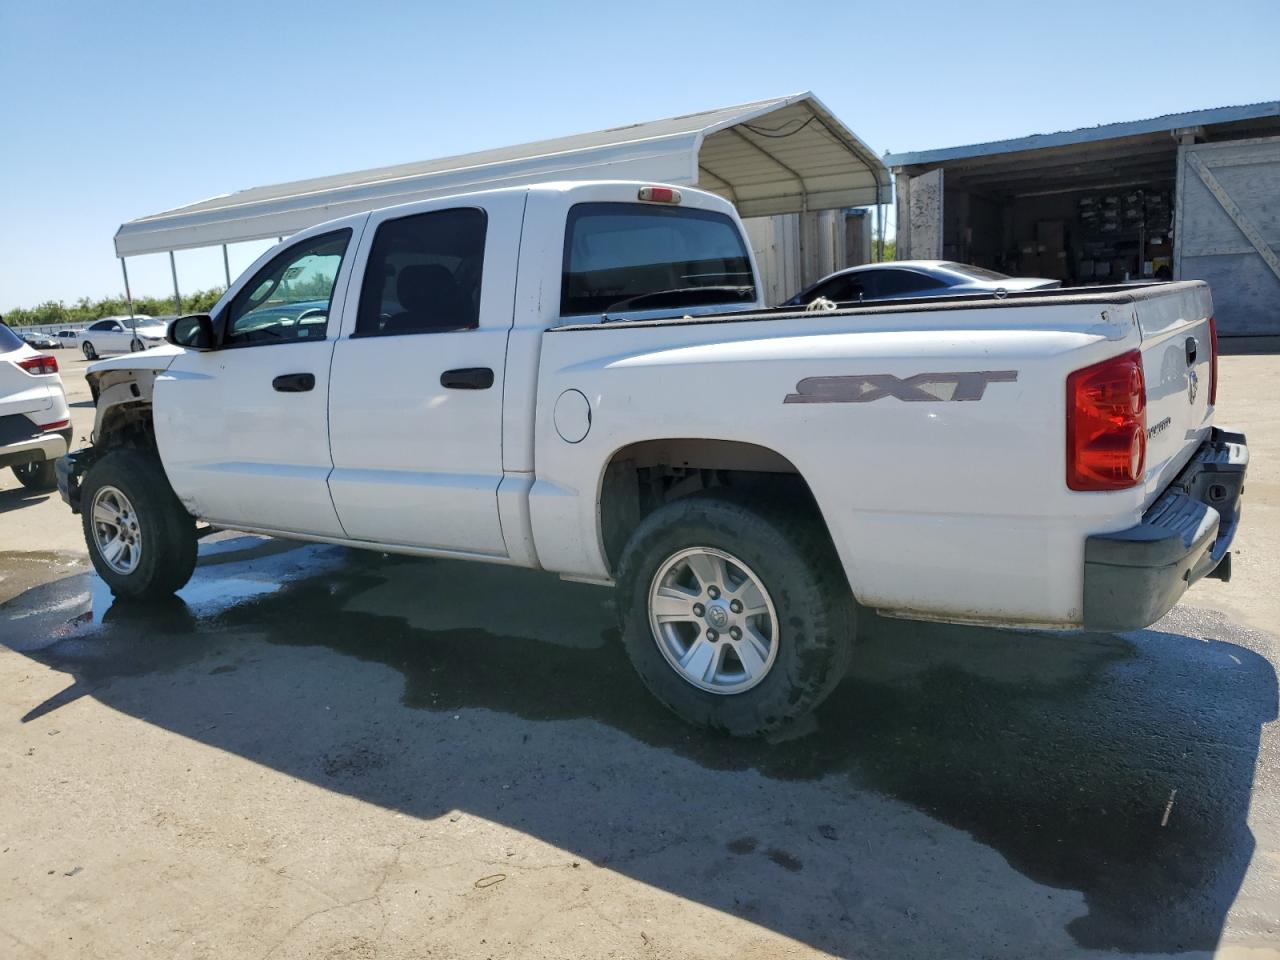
[[736, 614], [141, 539], [38, 475], [135, 346]]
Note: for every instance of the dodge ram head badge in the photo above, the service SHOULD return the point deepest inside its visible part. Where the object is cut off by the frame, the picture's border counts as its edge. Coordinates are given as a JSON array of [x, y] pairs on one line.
[[864, 388]]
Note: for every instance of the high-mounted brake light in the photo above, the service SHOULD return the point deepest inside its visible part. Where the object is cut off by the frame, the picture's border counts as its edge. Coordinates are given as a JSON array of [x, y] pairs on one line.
[[1213, 364], [37, 366], [1107, 425], [660, 194]]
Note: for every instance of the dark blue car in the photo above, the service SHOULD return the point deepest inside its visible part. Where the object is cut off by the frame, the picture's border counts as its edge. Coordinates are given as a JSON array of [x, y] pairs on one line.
[[912, 278]]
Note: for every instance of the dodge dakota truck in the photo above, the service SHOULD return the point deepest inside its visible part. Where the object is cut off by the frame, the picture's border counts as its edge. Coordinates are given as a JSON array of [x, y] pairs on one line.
[[582, 378]]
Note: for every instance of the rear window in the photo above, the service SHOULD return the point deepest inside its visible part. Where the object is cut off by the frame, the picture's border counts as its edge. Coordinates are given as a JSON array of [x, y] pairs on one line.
[[654, 256], [898, 283], [8, 339], [978, 273]]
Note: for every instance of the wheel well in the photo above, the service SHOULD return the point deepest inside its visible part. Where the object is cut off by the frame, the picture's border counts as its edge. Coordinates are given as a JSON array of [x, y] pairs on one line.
[[642, 477], [123, 399]]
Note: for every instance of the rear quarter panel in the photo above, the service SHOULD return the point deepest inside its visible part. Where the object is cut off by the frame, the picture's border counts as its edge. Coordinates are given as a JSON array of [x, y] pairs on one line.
[[944, 508]]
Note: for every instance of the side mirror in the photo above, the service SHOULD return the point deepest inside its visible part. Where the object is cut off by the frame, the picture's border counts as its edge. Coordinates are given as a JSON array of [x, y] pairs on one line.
[[194, 332]]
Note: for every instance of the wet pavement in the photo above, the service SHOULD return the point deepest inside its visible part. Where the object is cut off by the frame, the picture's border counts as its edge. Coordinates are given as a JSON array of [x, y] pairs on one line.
[[965, 792]]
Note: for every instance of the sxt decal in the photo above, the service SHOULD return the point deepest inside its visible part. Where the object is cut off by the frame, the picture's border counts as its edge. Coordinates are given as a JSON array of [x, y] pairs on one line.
[[923, 387]]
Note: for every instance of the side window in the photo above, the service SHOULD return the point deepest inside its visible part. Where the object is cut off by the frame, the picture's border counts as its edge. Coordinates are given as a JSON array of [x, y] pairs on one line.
[[101, 325], [423, 274], [288, 299], [650, 256], [901, 283], [839, 290]]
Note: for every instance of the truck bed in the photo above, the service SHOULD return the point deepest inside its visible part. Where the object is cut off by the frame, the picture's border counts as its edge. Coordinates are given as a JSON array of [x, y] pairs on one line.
[[1117, 294]]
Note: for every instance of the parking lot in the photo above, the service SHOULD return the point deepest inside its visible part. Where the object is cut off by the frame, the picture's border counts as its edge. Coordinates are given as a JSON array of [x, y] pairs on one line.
[[316, 752]]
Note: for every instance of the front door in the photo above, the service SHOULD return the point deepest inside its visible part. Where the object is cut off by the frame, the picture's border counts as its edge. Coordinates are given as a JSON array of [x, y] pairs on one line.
[[243, 429], [415, 409]]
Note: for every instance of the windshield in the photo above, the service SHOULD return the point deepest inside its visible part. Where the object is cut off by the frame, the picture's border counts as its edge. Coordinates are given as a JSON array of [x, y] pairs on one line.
[[976, 273]]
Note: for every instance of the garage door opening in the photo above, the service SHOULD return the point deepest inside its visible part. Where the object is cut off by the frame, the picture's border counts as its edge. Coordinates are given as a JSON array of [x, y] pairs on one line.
[[1185, 196]]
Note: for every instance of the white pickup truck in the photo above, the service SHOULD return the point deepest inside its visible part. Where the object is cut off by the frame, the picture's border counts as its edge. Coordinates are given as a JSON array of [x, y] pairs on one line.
[[582, 378]]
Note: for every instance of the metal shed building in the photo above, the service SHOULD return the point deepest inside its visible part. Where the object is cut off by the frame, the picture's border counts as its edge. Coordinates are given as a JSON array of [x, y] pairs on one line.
[[1190, 195], [771, 158]]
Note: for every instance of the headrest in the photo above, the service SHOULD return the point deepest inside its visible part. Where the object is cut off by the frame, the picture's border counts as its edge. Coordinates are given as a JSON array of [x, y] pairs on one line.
[[422, 286]]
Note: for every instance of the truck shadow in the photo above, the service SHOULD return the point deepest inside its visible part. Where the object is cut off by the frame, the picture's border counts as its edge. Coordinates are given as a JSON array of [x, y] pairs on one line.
[[1112, 773]]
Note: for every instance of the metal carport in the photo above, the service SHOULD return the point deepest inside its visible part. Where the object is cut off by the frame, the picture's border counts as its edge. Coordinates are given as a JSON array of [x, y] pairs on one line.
[[779, 156]]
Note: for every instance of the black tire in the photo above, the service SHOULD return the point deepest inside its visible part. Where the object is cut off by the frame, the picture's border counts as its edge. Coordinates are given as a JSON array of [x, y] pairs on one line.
[[790, 551], [89, 353], [37, 475], [168, 533], [135, 345]]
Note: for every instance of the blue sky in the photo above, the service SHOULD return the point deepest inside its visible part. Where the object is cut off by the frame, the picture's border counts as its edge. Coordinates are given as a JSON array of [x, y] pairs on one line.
[[116, 110]]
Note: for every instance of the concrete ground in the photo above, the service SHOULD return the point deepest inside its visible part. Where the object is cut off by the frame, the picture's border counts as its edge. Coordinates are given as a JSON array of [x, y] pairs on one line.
[[323, 753]]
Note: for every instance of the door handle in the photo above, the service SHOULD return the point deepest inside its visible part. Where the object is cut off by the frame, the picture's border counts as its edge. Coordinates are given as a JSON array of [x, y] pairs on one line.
[[294, 382], [1191, 348], [467, 378]]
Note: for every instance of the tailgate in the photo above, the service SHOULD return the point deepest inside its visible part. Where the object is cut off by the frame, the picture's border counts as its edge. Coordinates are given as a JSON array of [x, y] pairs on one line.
[[1177, 363]]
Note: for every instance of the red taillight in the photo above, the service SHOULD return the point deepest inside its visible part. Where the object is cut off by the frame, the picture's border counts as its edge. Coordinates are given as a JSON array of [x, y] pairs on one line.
[[660, 194], [56, 425], [1107, 425], [1213, 368], [39, 365]]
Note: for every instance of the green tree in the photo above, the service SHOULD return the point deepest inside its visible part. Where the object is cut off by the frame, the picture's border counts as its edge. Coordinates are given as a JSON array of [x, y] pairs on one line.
[[85, 310]]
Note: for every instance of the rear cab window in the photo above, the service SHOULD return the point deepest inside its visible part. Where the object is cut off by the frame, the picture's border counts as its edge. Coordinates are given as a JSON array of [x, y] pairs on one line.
[[640, 257]]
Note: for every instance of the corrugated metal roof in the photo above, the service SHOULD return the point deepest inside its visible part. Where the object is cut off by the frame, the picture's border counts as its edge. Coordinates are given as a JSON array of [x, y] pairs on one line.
[[1107, 131], [768, 157]]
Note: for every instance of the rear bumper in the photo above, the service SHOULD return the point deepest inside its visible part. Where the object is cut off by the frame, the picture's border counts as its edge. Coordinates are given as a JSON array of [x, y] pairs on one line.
[[43, 446], [1133, 577]]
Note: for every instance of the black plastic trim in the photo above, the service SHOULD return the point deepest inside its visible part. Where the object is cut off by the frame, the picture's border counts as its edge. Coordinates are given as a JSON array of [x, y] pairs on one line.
[[1134, 577]]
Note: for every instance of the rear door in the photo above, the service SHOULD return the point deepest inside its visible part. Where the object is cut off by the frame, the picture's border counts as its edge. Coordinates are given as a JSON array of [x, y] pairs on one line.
[[415, 411], [104, 336]]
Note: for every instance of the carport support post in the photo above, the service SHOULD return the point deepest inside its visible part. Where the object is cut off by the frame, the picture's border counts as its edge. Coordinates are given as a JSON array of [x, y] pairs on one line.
[[177, 297], [226, 266], [127, 294]]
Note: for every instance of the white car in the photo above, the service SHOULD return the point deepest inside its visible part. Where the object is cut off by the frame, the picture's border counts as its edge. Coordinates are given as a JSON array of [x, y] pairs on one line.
[[35, 425], [120, 335], [581, 377]]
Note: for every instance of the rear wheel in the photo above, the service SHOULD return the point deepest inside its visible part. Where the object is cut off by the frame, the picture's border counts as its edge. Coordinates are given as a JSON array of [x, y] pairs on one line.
[[38, 475], [736, 614], [88, 351], [141, 539]]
